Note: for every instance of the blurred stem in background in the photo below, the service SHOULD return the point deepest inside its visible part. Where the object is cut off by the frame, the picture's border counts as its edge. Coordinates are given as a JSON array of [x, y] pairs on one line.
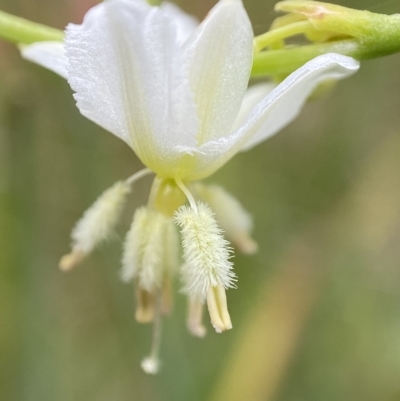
[[269, 341], [329, 28]]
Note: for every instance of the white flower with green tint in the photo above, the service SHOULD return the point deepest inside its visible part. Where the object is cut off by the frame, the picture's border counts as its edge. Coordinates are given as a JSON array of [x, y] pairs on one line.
[[176, 93]]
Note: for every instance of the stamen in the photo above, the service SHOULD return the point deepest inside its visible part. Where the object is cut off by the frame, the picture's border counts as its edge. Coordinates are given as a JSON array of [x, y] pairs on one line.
[[71, 260], [234, 219], [218, 309], [245, 243], [155, 188], [96, 225], [145, 306], [137, 176], [134, 245], [151, 364], [187, 193], [143, 254], [207, 270], [205, 250], [166, 295], [195, 318]]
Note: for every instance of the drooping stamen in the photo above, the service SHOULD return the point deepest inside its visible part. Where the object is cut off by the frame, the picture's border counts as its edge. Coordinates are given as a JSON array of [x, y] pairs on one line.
[[71, 260], [207, 270], [195, 317], [243, 241], [166, 295], [145, 306], [151, 363], [99, 221], [218, 309], [234, 219], [137, 176], [188, 194]]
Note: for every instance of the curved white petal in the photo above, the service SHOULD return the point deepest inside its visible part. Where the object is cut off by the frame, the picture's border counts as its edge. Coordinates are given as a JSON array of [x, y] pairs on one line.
[[275, 111], [127, 70], [50, 55], [186, 24], [251, 98], [284, 103], [220, 55]]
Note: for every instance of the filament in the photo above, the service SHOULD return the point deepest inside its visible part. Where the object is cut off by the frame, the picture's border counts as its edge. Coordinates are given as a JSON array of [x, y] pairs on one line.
[[137, 176], [187, 193], [151, 363]]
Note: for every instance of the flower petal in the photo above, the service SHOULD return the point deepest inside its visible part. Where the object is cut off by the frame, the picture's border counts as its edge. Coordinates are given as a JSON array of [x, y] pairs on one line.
[[253, 95], [50, 55], [284, 104], [186, 24], [220, 55], [127, 70], [274, 112]]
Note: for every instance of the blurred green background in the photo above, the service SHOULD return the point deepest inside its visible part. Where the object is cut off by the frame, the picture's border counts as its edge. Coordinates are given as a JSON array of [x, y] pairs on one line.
[[317, 312]]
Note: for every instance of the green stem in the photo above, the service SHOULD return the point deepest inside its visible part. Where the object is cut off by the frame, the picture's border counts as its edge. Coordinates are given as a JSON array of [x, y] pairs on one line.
[[285, 61], [270, 37], [20, 30]]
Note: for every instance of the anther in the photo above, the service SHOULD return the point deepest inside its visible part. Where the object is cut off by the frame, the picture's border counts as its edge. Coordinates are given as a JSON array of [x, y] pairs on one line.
[[218, 309], [195, 317], [71, 260], [145, 302]]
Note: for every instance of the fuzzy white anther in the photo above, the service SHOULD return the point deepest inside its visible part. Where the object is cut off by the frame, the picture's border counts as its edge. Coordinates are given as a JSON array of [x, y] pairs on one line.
[[148, 249], [205, 250], [143, 250], [195, 317], [218, 309], [96, 225]]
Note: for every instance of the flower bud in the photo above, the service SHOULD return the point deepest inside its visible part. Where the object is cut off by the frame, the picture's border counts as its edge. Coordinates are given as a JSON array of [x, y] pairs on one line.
[[377, 34]]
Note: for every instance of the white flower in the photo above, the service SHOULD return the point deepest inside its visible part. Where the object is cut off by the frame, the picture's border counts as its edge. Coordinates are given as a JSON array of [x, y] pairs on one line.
[[171, 95], [176, 93]]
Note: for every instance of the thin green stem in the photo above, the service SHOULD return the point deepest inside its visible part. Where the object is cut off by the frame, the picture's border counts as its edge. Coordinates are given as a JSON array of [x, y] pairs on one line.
[[286, 61], [20, 30], [270, 37]]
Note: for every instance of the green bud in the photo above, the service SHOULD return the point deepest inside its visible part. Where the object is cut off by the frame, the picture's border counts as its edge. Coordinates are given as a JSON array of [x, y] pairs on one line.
[[377, 34]]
